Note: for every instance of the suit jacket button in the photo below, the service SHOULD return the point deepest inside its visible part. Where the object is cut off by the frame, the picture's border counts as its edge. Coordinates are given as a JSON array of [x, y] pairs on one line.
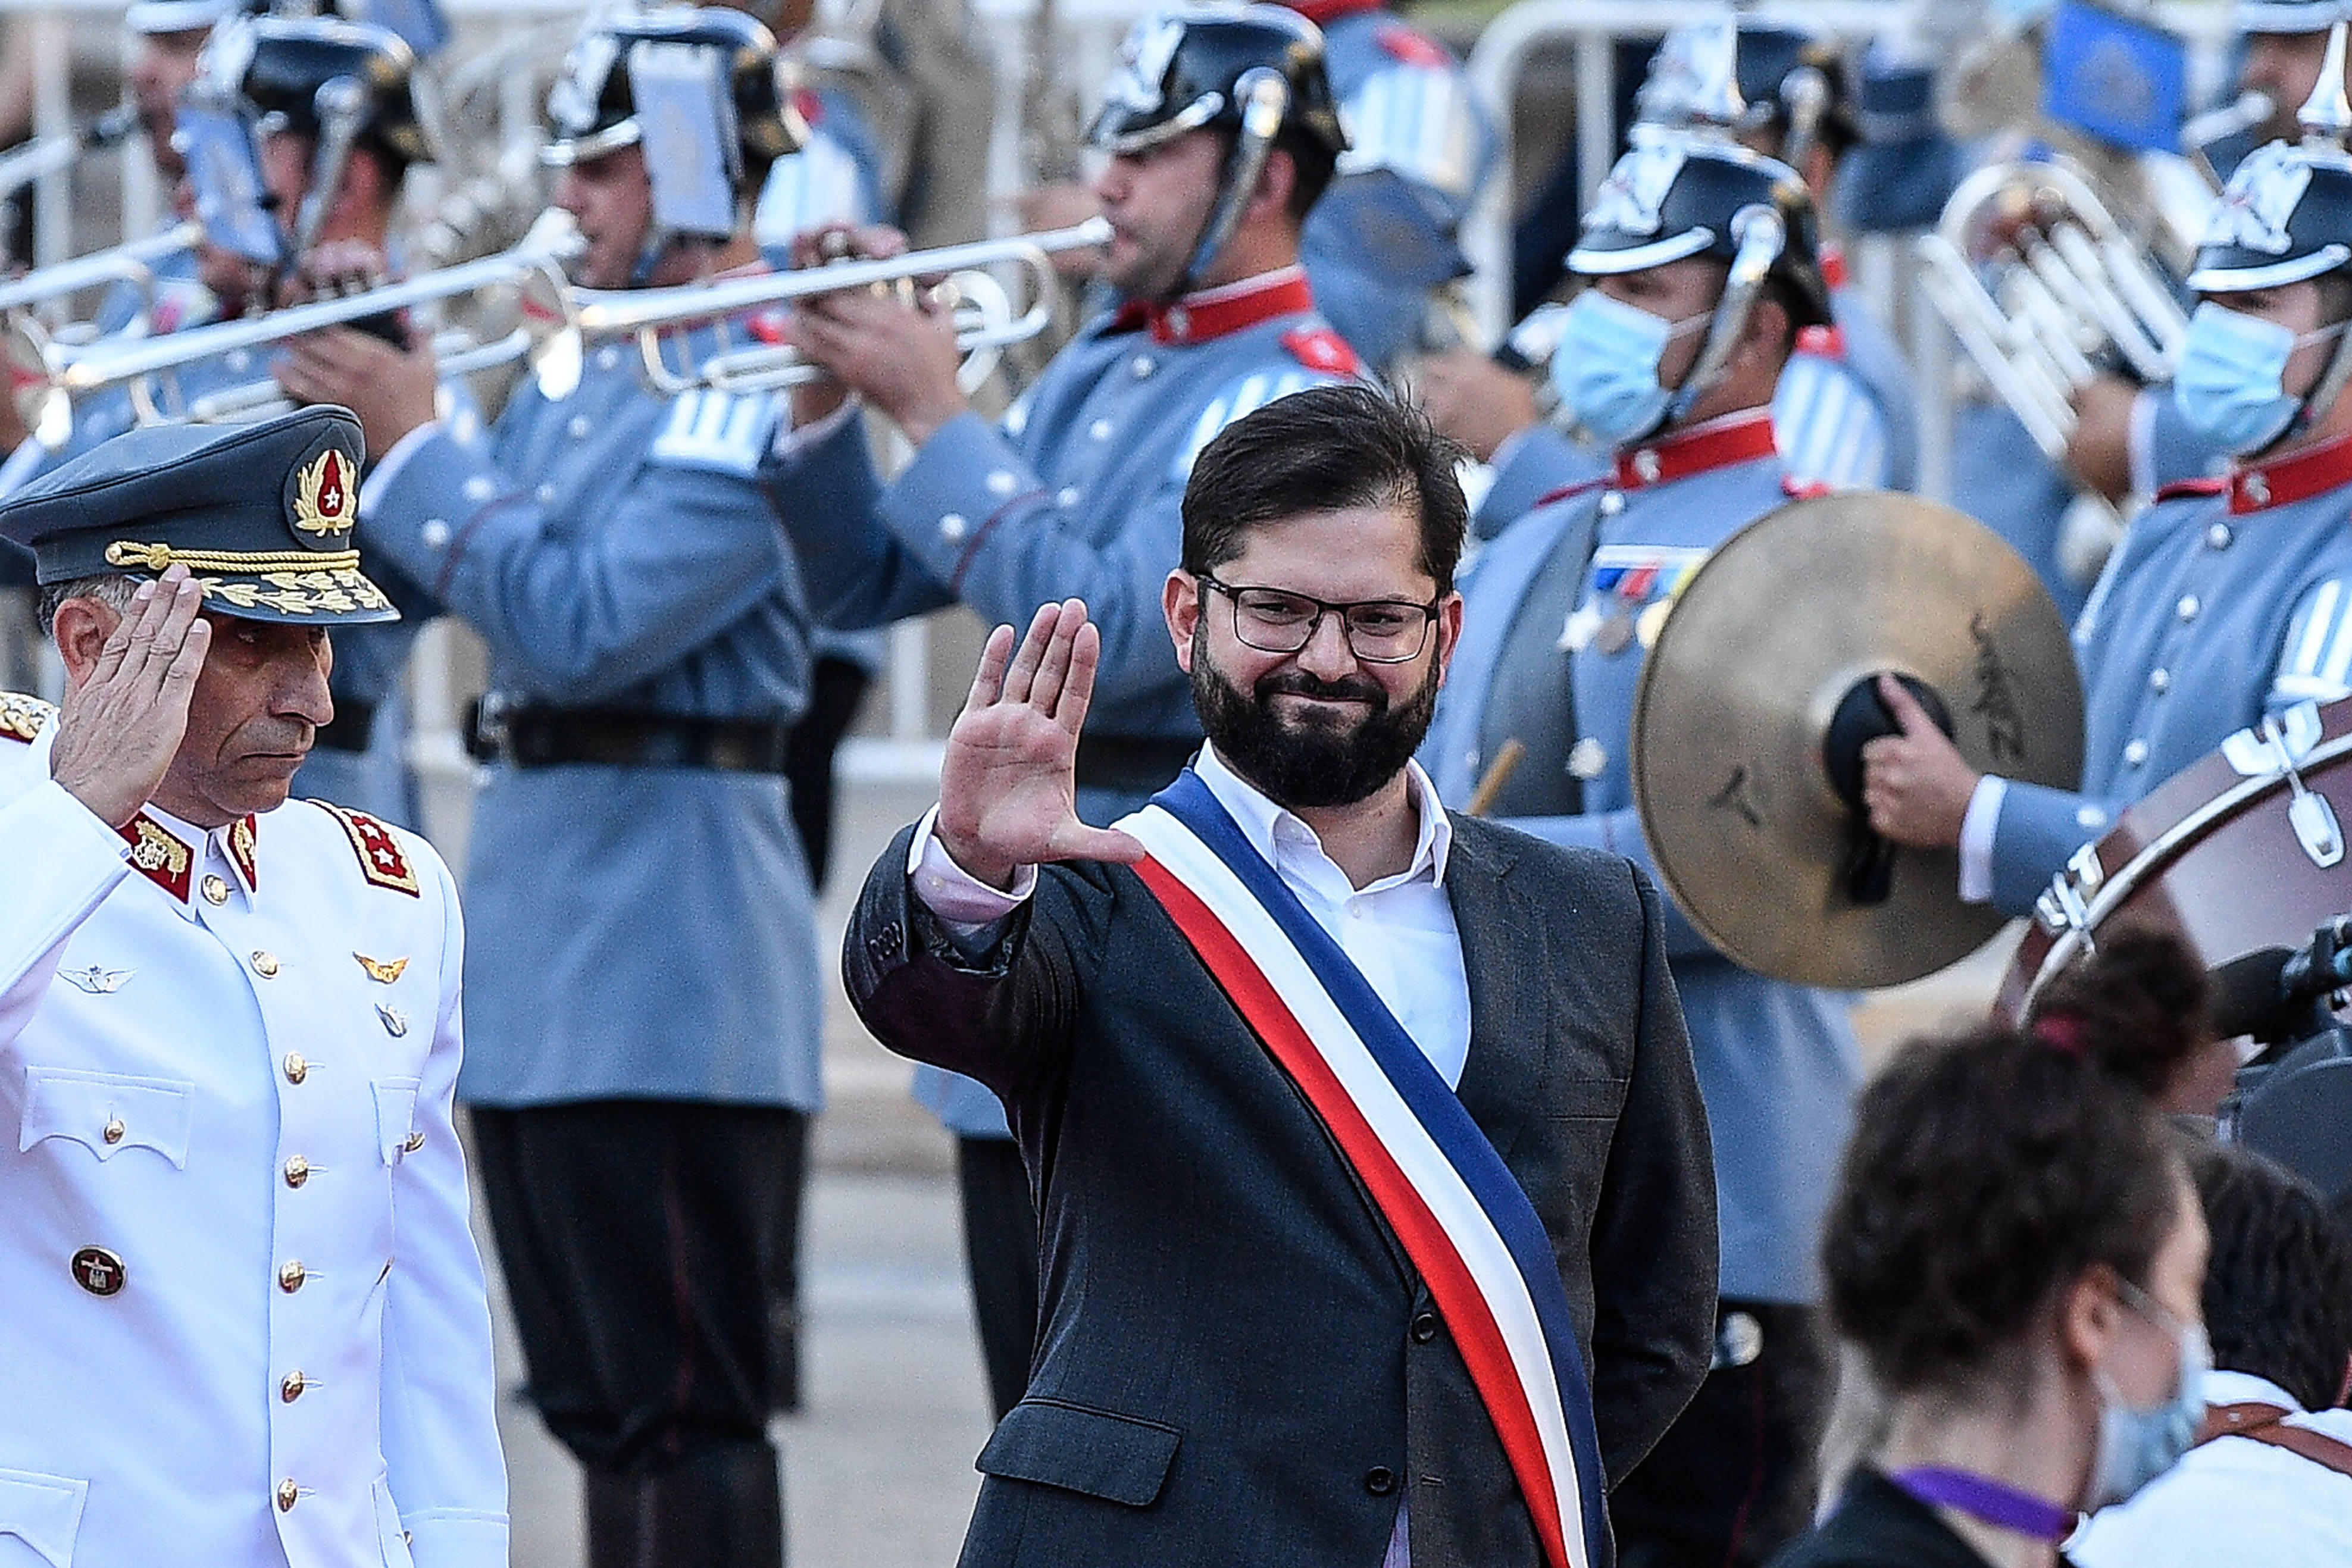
[[1380, 1481], [1425, 1327]]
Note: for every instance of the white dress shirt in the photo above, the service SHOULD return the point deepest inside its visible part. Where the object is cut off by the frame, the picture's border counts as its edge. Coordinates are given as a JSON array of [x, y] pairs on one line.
[[2232, 1500], [1398, 930]]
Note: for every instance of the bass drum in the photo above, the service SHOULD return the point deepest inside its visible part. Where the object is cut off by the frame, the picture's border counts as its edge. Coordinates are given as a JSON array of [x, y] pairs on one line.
[[2235, 853]]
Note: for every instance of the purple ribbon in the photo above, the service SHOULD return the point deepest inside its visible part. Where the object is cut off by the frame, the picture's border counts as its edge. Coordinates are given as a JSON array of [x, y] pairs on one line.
[[1984, 1498]]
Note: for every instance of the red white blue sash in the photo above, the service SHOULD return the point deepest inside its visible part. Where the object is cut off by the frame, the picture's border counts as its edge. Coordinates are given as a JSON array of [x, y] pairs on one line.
[[1462, 1216]]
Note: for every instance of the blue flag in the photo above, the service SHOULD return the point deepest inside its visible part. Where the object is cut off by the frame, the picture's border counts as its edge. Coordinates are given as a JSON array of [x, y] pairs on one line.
[[2119, 79]]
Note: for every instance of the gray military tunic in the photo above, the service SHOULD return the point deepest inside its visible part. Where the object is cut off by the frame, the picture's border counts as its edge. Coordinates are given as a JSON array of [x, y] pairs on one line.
[[2227, 596], [1778, 1063], [635, 932]]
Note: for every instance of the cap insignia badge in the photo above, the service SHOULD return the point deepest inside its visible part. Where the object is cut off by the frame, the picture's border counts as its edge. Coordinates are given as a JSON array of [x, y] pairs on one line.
[[323, 496]]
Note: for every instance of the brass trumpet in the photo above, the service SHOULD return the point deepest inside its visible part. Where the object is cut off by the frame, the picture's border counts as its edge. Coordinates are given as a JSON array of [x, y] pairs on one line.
[[132, 262], [986, 322]]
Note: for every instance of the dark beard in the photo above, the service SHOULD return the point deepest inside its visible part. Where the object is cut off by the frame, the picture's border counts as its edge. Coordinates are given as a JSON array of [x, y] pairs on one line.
[[1316, 763]]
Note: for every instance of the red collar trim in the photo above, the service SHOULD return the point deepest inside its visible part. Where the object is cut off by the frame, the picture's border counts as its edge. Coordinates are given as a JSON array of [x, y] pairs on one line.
[[159, 856], [2289, 479], [1219, 313], [1323, 13], [1719, 443], [1833, 266]]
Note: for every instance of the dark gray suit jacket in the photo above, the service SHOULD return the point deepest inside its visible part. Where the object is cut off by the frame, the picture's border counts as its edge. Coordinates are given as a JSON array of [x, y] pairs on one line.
[[1237, 1362]]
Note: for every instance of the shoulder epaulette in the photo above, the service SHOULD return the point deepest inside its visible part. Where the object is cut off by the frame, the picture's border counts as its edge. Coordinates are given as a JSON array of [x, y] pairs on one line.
[[381, 860], [21, 718], [1806, 489], [1321, 348], [1402, 41], [2179, 488]]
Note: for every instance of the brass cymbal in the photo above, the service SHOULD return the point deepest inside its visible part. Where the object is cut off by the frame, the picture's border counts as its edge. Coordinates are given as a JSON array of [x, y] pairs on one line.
[[1779, 634]]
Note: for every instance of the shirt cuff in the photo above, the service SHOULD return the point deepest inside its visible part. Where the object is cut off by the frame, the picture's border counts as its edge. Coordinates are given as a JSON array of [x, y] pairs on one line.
[[791, 440], [964, 904], [1976, 831], [379, 478], [2140, 441]]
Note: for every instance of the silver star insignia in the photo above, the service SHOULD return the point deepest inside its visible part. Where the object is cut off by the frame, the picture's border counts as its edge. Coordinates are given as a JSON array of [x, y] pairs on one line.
[[97, 982]]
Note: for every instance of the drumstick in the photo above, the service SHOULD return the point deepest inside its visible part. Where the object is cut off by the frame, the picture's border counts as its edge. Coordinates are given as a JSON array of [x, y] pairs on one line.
[[1508, 757]]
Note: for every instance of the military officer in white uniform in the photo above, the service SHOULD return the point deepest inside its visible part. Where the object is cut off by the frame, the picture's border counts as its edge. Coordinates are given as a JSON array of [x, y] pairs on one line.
[[2228, 598], [246, 1320]]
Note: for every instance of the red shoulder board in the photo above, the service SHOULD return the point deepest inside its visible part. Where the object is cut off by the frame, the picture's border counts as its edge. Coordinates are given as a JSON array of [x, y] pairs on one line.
[[1806, 489], [2180, 488], [1822, 342], [1412, 45], [1321, 348], [378, 848], [810, 106], [1566, 491]]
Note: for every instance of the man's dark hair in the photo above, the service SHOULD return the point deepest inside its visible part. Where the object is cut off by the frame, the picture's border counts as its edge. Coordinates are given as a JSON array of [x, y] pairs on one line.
[[1324, 450], [2278, 1291], [1314, 165]]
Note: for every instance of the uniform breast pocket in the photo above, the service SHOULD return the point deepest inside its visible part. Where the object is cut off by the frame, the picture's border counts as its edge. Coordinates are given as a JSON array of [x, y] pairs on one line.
[[39, 1517], [397, 1134], [108, 1112]]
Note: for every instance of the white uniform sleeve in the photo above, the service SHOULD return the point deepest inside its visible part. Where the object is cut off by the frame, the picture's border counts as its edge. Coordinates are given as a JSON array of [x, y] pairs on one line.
[[442, 1456], [62, 862]]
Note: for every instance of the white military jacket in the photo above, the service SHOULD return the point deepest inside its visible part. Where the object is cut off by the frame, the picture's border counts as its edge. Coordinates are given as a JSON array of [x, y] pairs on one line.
[[243, 1320]]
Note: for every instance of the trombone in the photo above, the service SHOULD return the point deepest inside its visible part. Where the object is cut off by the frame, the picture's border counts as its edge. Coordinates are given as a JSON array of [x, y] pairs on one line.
[[132, 262]]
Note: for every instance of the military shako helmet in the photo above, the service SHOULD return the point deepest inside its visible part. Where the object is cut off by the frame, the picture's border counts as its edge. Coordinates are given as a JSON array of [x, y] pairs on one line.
[[1790, 76], [298, 73], [1255, 70], [593, 109], [2286, 217], [2285, 16]]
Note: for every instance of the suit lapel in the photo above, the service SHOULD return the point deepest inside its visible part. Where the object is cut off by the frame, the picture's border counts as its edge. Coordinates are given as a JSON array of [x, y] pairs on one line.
[[1499, 941]]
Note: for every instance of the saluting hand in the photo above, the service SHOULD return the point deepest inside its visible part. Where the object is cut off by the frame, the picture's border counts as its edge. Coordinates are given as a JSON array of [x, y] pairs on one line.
[[121, 726], [1008, 788], [1916, 784]]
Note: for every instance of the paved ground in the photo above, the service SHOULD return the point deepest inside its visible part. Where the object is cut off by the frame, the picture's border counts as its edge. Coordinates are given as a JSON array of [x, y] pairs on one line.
[[877, 1469]]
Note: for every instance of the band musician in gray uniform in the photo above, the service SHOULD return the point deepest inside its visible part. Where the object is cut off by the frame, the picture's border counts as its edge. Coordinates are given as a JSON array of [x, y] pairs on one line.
[[1076, 493], [644, 992], [2230, 597], [1679, 370]]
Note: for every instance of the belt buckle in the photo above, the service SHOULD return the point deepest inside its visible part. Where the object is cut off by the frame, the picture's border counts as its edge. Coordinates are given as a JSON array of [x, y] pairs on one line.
[[492, 737]]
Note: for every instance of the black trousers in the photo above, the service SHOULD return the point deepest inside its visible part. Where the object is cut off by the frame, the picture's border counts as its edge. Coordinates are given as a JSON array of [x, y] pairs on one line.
[[642, 1241], [1735, 1477], [836, 687], [1000, 1252]]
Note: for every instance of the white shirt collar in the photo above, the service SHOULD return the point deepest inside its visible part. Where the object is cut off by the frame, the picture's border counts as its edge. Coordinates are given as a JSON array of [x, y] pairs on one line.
[[1259, 817], [2224, 1386]]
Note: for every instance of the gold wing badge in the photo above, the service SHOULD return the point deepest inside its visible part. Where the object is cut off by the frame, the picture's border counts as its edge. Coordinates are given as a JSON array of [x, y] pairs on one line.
[[382, 971]]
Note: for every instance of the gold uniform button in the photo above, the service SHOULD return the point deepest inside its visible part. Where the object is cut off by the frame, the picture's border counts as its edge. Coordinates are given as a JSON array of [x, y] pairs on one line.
[[297, 1171], [416, 1142], [297, 1069], [287, 1493], [265, 964], [291, 1276], [215, 889], [289, 1390], [114, 1131]]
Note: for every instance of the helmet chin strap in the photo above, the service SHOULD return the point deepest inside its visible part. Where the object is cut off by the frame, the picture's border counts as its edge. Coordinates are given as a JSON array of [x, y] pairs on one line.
[[2324, 391], [1759, 236], [1264, 98]]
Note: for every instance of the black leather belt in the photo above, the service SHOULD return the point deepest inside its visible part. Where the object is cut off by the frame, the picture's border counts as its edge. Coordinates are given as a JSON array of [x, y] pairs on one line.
[[1131, 764], [539, 737], [350, 729]]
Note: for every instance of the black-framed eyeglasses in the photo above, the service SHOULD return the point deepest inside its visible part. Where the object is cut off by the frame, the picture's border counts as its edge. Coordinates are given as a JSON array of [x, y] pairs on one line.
[[1379, 630]]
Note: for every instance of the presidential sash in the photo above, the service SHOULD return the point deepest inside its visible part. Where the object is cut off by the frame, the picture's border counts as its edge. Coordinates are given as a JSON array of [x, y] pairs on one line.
[[1462, 1216]]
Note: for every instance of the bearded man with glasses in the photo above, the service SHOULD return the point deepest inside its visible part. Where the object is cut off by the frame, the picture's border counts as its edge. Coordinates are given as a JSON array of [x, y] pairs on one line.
[[1375, 1188]]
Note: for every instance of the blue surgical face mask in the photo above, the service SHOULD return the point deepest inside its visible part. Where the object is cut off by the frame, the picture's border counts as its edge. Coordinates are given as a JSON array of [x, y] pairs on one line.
[[2231, 383], [2135, 1446], [1605, 368]]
